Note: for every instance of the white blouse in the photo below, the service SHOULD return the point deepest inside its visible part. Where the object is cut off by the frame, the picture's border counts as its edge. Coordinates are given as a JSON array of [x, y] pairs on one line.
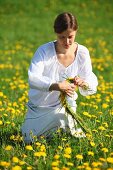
[[45, 69]]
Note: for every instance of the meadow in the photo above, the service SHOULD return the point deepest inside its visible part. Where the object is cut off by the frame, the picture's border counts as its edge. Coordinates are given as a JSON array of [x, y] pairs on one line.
[[24, 25]]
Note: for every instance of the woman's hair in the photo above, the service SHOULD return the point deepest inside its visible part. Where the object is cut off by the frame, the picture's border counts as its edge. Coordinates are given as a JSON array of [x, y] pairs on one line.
[[65, 21]]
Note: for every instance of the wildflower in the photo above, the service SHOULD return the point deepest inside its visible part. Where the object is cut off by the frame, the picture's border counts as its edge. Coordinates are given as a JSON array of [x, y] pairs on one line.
[[90, 153], [101, 128], [55, 168], [29, 168], [15, 159], [42, 148], [21, 162], [105, 124], [56, 156], [67, 156], [67, 150], [55, 163], [38, 143], [102, 159], [96, 164], [16, 168], [1, 94], [60, 147], [104, 150], [94, 130], [70, 164], [92, 143], [1, 123], [29, 147], [111, 154], [110, 160], [104, 105], [8, 148], [4, 164], [39, 154], [65, 168], [79, 156]]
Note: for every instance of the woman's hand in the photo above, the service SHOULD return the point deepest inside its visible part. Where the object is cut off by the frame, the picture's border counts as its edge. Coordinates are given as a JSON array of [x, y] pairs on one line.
[[80, 82], [64, 86]]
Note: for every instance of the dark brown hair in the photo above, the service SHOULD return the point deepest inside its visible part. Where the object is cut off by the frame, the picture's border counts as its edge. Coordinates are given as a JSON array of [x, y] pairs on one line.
[[65, 21]]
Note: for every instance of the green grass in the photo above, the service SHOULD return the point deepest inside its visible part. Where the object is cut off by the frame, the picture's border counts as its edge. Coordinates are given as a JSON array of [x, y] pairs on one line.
[[24, 25]]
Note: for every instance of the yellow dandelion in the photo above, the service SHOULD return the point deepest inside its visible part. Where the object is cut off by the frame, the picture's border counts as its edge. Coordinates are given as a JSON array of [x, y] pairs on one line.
[[29, 168], [102, 128], [67, 156], [1, 123], [29, 147], [92, 143], [21, 162], [104, 105], [1, 94], [96, 164], [60, 147], [104, 150], [85, 113], [67, 150], [111, 154], [55, 163], [42, 148], [16, 168], [8, 148], [102, 159], [15, 159], [39, 154], [65, 168], [55, 168], [4, 164], [56, 156], [38, 143], [90, 153], [70, 164], [79, 156], [110, 160]]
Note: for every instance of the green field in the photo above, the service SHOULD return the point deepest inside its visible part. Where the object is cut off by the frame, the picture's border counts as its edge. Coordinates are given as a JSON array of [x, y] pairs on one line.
[[24, 25]]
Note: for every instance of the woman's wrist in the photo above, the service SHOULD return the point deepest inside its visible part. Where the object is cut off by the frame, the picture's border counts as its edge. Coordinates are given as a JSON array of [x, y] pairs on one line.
[[55, 87], [85, 86]]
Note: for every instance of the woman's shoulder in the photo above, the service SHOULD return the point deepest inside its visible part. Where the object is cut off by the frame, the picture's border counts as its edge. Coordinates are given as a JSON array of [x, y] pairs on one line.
[[45, 51], [83, 53], [82, 49], [46, 46]]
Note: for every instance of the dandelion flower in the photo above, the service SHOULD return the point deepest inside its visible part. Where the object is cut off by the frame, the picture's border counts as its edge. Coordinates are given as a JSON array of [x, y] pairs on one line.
[[15, 159], [90, 153], [16, 168], [79, 156], [67, 150], [29, 147], [104, 150], [8, 148], [110, 160]]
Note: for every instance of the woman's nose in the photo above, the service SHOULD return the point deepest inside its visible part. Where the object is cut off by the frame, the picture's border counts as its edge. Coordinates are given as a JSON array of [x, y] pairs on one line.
[[67, 40]]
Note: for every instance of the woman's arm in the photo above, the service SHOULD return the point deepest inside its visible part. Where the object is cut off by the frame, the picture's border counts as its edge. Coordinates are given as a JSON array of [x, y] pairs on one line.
[[64, 86], [87, 77], [35, 73]]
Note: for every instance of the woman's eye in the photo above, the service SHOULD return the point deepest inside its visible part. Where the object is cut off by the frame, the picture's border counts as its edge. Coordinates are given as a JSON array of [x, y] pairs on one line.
[[62, 37], [70, 37]]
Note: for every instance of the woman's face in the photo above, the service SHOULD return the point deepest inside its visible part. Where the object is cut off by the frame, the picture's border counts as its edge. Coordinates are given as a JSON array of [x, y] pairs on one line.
[[66, 38]]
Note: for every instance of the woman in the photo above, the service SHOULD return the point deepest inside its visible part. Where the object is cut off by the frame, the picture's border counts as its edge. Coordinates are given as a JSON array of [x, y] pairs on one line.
[[52, 63]]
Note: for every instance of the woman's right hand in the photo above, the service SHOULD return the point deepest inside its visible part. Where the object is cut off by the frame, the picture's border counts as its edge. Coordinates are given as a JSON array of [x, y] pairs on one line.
[[64, 87]]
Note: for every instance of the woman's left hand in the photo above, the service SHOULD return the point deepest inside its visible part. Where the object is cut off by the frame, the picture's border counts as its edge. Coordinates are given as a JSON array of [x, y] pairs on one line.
[[80, 82]]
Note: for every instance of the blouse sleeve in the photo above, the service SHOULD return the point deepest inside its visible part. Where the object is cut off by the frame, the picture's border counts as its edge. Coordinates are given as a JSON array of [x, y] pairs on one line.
[[85, 72], [35, 73]]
